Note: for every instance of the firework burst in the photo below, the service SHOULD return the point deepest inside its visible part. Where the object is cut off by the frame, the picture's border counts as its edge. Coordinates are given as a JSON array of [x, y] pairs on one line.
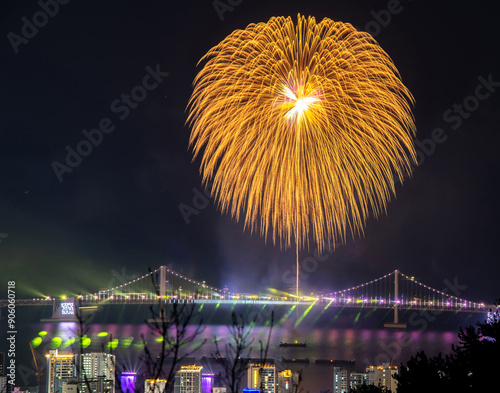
[[302, 128]]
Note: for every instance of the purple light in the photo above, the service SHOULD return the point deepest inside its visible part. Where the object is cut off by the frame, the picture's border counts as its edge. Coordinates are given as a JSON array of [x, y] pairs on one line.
[[207, 380], [127, 381]]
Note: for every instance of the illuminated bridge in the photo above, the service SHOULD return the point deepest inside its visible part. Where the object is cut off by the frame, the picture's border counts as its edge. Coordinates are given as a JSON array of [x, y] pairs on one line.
[[395, 291]]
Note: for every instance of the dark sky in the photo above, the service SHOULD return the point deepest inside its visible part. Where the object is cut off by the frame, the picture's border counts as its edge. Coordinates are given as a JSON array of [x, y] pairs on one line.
[[117, 213]]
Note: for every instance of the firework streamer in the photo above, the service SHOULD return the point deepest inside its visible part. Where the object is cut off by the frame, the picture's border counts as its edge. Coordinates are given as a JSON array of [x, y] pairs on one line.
[[302, 128]]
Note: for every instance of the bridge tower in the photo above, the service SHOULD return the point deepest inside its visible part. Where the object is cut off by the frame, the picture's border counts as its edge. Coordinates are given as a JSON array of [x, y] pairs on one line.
[[396, 324], [163, 284], [163, 281]]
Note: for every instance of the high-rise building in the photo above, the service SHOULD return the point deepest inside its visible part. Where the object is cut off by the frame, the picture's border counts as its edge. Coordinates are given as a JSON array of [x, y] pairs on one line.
[[4, 385], [262, 377], [383, 376], [357, 379], [288, 382], [97, 364], [188, 379], [96, 372], [85, 373], [155, 385], [70, 385], [26, 389], [60, 368], [340, 380], [2, 363]]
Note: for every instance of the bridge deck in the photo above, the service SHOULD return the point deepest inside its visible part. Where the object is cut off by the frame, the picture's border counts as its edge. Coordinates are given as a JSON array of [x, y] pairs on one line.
[[151, 301]]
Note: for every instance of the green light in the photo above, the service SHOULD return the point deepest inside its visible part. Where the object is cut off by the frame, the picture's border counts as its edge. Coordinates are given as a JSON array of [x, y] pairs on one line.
[[322, 311], [68, 342], [201, 307], [56, 342], [280, 322], [36, 342], [217, 306], [357, 317], [304, 315], [113, 344], [140, 345], [338, 314], [102, 334], [42, 333], [85, 341], [126, 342], [159, 339]]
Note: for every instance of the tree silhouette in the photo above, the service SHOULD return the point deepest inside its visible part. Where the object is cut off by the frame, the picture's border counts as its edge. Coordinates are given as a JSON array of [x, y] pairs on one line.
[[470, 368]]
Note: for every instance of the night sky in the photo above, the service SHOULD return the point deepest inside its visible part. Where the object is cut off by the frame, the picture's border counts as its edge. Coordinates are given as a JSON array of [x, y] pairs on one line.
[[118, 211]]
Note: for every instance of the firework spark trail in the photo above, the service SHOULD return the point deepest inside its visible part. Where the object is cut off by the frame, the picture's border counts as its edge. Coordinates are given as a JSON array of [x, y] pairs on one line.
[[301, 128]]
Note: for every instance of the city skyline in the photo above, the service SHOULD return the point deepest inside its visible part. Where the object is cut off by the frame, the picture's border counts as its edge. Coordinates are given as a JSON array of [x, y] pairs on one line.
[[99, 188]]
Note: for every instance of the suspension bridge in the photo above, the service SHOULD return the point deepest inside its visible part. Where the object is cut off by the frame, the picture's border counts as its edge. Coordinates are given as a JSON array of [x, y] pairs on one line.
[[394, 290]]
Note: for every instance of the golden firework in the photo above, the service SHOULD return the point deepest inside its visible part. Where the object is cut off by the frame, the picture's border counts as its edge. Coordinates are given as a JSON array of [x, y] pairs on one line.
[[302, 128]]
